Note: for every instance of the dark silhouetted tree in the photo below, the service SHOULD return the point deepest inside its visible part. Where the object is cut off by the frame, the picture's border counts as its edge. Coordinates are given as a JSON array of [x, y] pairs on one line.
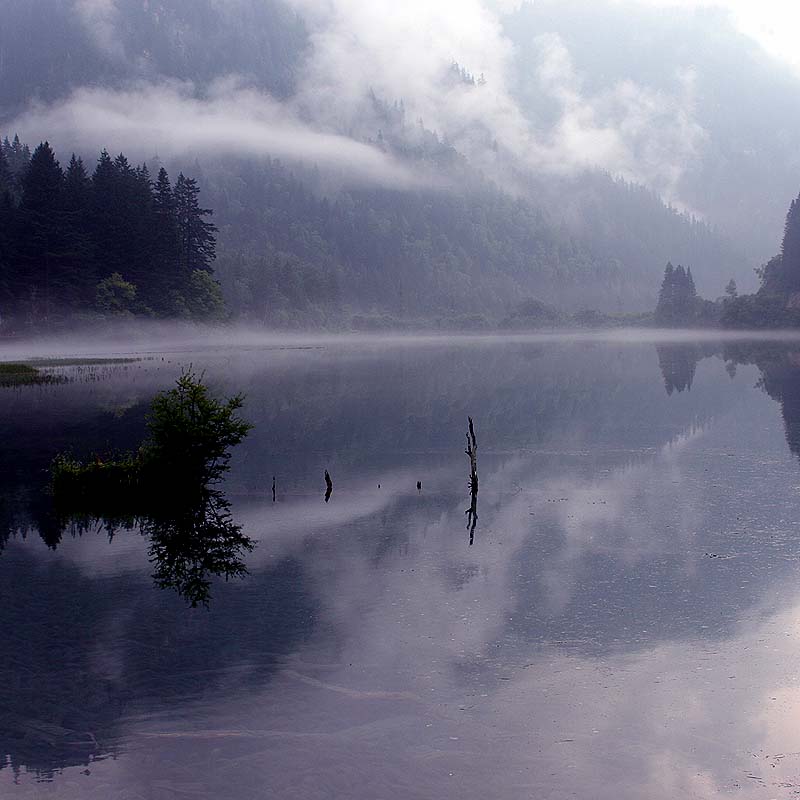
[[197, 242]]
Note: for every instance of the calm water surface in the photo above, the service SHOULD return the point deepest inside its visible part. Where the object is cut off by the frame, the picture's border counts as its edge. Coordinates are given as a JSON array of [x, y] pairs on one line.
[[625, 623]]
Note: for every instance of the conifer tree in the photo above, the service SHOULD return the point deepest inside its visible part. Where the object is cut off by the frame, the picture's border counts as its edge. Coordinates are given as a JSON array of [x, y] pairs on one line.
[[197, 241], [43, 236], [691, 289], [63, 234], [166, 242], [790, 251], [76, 185], [6, 176], [665, 310]]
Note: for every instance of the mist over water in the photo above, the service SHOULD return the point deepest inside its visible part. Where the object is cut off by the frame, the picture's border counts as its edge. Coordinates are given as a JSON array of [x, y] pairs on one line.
[[626, 608]]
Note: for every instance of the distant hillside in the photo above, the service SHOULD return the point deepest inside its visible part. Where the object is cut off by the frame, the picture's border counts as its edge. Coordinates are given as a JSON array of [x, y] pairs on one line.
[[49, 47], [288, 247], [296, 245]]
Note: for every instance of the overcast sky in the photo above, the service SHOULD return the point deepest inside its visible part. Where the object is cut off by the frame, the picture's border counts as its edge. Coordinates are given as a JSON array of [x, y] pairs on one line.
[[773, 23]]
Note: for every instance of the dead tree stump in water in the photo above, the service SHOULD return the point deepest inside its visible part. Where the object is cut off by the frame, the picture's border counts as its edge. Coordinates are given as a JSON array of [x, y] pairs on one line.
[[472, 452]]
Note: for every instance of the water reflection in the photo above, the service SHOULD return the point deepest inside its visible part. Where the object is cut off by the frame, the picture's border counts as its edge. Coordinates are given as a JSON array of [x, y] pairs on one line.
[[190, 543], [780, 379], [586, 645], [778, 364], [678, 364]]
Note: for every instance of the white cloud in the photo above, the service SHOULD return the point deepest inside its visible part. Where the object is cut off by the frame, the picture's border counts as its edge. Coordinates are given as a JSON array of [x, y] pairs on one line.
[[171, 120], [405, 51], [772, 23], [399, 51]]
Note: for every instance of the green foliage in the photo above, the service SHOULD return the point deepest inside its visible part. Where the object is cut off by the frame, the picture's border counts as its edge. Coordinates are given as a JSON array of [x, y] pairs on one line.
[[115, 241], [191, 434], [109, 487], [533, 313], [116, 296], [776, 304], [168, 488], [761, 310], [677, 298], [23, 370], [12, 374], [293, 252], [202, 299]]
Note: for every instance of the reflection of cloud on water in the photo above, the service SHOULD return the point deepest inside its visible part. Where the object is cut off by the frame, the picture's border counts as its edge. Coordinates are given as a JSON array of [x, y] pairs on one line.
[[689, 719]]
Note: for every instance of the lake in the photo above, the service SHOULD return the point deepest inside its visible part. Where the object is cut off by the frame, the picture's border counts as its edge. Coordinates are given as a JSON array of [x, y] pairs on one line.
[[622, 622]]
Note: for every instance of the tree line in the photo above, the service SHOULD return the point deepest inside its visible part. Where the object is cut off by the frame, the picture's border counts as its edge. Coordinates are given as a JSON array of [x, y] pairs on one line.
[[776, 304], [114, 241]]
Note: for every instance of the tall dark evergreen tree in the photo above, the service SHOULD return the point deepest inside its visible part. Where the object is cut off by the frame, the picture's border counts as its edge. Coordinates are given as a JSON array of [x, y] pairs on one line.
[[197, 241], [6, 176], [677, 300], [790, 250], [77, 209], [166, 258], [8, 267], [77, 185], [17, 154], [665, 310], [43, 236]]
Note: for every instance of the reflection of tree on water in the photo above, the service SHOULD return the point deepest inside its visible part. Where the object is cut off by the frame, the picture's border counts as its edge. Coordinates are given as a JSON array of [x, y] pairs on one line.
[[165, 489], [780, 379], [190, 547], [678, 364], [779, 364], [190, 543]]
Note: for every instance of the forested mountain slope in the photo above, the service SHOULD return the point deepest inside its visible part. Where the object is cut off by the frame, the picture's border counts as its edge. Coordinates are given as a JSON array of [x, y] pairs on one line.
[[474, 230]]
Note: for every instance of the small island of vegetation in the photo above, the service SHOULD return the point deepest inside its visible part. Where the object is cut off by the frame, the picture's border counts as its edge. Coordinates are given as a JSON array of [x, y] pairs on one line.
[[168, 488]]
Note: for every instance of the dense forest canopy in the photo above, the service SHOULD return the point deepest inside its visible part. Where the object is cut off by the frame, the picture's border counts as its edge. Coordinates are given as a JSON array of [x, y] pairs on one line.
[[294, 250], [114, 241]]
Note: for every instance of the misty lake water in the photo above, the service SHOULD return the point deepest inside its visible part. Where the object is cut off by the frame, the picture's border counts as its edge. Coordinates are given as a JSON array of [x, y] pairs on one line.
[[624, 624]]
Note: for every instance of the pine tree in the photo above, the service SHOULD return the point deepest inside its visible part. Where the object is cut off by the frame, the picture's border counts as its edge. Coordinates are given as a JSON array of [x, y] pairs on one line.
[[77, 208], [44, 225], [691, 290], [166, 259], [790, 251], [18, 155], [8, 270], [76, 185], [68, 233], [7, 182], [197, 242], [104, 216], [665, 310]]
